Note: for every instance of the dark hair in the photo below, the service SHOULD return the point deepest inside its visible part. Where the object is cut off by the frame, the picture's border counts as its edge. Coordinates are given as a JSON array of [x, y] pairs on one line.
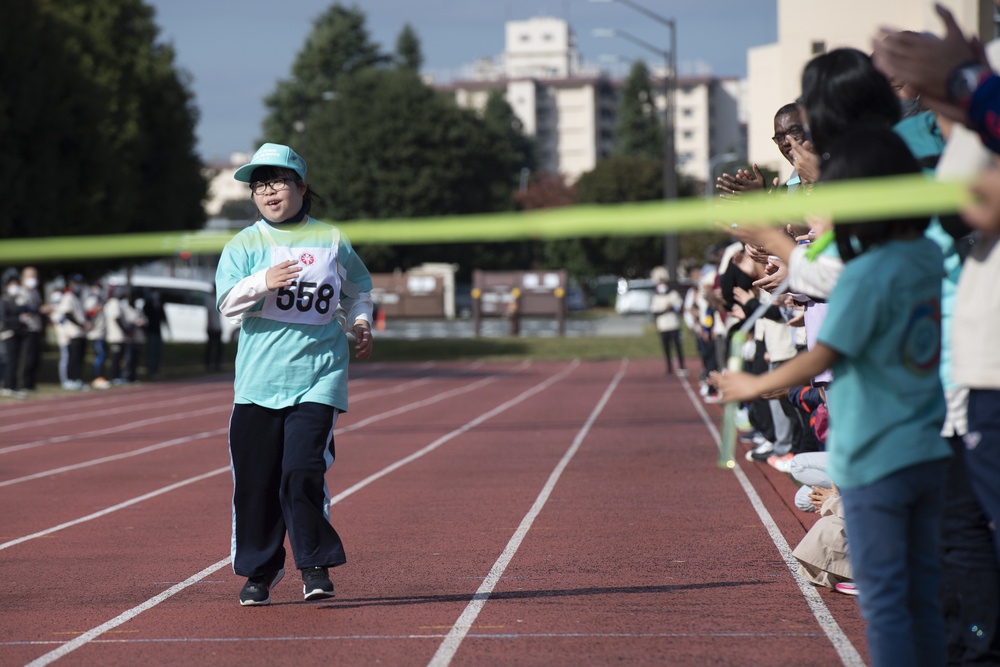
[[790, 108], [841, 89], [870, 151], [270, 173]]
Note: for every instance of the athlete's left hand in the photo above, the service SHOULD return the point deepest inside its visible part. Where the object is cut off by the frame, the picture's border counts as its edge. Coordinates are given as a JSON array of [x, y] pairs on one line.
[[363, 339]]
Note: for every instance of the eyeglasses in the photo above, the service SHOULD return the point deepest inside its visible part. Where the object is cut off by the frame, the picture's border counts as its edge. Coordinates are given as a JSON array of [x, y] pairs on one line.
[[277, 185], [795, 131]]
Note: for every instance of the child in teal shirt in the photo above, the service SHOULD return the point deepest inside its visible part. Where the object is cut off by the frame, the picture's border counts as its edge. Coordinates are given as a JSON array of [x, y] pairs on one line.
[[882, 338], [285, 276]]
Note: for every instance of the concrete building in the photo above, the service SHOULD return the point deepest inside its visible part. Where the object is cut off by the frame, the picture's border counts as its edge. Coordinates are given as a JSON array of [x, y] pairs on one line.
[[708, 124], [807, 28], [571, 110], [572, 119], [222, 187]]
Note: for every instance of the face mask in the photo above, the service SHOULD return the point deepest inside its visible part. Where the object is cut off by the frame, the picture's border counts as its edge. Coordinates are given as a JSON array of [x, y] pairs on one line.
[[31, 283], [661, 289], [910, 107], [12, 290]]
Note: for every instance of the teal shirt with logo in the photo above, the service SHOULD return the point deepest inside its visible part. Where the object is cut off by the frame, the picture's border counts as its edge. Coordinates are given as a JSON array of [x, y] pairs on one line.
[[281, 364], [886, 403]]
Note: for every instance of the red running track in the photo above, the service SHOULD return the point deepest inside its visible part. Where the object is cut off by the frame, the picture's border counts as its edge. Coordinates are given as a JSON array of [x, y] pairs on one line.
[[557, 513]]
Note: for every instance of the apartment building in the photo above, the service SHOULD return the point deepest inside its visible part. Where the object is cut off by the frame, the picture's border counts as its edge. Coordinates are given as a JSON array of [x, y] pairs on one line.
[[571, 110], [807, 28]]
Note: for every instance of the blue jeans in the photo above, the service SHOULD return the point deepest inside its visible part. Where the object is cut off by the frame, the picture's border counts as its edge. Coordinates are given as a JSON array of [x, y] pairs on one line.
[[971, 590], [982, 453], [894, 539]]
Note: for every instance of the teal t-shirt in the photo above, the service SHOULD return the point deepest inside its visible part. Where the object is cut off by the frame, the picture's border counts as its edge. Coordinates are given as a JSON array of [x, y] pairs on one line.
[[280, 364], [886, 404]]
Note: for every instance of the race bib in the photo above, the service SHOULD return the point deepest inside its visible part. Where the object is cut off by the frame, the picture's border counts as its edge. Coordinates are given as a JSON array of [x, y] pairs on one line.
[[315, 294]]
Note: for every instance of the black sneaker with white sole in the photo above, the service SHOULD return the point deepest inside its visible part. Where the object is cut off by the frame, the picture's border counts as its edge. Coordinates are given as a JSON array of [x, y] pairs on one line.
[[257, 590], [316, 584]]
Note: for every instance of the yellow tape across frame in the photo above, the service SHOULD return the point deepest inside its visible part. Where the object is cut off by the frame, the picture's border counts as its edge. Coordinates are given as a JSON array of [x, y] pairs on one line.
[[844, 201]]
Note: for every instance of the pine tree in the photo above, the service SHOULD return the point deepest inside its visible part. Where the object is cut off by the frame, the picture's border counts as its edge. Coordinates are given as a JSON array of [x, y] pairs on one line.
[[337, 46], [639, 130], [408, 52]]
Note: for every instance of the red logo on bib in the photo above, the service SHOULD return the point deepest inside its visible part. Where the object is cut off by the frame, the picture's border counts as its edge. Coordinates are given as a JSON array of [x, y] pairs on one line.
[[307, 258]]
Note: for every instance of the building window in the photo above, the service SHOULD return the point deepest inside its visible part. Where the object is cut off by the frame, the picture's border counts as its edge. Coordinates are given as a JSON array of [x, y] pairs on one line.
[[547, 37], [687, 112], [525, 37], [818, 47], [688, 134]]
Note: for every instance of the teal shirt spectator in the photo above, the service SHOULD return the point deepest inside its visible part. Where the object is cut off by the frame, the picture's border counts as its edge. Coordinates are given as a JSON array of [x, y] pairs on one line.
[[923, 137], [886, 404]]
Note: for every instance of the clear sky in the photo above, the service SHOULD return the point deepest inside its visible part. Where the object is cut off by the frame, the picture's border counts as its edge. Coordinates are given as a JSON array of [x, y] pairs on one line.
[[214, 40]]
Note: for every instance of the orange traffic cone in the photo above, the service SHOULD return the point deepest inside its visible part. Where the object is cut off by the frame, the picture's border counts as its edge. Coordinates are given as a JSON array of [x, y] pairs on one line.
[[380, 320]]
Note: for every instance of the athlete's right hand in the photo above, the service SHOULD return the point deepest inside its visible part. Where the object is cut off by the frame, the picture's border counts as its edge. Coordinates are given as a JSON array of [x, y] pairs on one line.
[[282, 275]]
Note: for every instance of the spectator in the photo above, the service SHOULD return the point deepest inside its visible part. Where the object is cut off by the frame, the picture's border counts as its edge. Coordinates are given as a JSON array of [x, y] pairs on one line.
[[155, 318], [119, 325], [12, 332], [665, 307], [788, 126], [886, 454], [34, 315], [71, 325], [93, 304]]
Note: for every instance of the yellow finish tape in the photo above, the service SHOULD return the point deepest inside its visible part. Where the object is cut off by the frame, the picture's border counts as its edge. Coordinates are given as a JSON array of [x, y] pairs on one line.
[[843, 201]]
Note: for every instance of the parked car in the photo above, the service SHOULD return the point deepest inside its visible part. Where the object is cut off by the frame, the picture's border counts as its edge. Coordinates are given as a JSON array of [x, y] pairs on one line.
[[603, 290], [185, 304], [634, 296]]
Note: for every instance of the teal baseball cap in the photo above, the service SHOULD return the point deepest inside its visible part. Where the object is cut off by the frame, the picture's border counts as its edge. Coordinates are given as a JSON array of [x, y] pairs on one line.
[[272, 155]]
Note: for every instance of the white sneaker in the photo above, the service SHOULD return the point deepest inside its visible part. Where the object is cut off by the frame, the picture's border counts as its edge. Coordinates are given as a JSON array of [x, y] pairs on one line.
[[763, 449]]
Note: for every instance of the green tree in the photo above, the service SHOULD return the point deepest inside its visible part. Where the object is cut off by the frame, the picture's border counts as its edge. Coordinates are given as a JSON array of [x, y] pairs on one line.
[[516, 150], [614, 180], [408, 53], [371, 161], [337, 46], [638, 131], [102, 124]]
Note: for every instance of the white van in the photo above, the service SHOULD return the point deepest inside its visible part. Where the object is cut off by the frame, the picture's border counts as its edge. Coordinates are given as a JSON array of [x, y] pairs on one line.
[[185, 304]]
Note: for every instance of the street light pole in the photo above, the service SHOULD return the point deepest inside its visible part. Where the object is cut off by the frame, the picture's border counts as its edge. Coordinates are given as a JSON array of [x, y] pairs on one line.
[[671, 242]]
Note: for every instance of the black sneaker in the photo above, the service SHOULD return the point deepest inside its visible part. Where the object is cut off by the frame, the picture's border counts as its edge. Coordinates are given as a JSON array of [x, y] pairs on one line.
[[316, 583], [257, 590]]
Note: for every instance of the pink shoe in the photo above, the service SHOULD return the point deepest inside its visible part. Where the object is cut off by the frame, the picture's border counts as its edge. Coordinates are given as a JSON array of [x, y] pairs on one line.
[[847, 588], [781, 463]]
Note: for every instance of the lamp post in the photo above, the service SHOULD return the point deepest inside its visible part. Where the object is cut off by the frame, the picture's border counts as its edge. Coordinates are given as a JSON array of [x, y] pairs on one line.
[[671, 245]]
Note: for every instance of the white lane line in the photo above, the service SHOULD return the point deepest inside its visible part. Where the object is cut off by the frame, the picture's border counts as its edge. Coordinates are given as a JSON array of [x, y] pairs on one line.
[[205, 434], [845, 649], [90, 635], [113, 508], [79, 402], [401, 387], [119, 428], [115, 457], [449, 646], [471, 635], [111, 412], [184, 415], [459, 431]]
